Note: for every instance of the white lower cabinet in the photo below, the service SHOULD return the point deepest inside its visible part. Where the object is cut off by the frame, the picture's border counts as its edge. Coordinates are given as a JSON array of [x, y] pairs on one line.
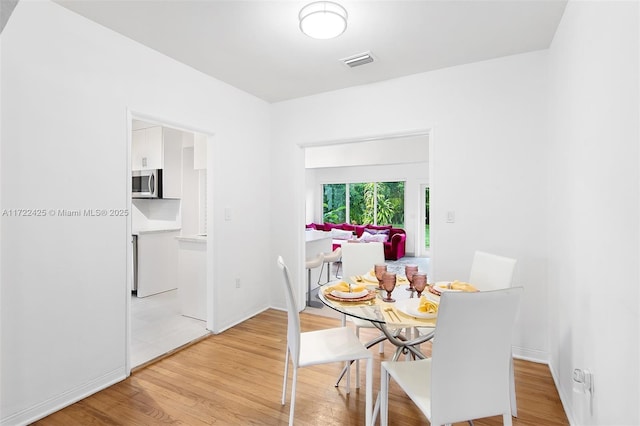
[[157, 262]]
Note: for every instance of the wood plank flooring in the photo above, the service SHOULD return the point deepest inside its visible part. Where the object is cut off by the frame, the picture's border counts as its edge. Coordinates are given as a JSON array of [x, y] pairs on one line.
[[235, 378]]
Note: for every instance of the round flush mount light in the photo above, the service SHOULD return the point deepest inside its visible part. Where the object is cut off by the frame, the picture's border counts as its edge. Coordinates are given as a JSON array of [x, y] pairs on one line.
[[323, 19]]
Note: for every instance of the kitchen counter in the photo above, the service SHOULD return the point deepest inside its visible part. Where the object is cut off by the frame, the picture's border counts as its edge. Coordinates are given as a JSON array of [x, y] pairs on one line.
[[314, 235], [192, 238], [153, 230]]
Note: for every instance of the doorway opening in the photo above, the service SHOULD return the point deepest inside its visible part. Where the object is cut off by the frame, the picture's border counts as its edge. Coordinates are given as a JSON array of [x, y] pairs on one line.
[[343, 165], [168, 306]]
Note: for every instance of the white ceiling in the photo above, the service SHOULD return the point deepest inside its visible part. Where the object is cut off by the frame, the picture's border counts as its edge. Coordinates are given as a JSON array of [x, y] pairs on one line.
[[257, 46]]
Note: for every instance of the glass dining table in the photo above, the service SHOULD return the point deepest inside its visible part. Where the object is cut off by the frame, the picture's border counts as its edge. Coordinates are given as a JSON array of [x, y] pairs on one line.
[[401, 322]]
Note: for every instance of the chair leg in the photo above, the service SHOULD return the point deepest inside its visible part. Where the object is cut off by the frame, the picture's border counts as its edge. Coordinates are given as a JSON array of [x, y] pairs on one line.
[[384, 397], [348, 365], [506, 419], [357, 360], [311, 303], [286, 374], [369, 392], [293, 395], [320, 274]]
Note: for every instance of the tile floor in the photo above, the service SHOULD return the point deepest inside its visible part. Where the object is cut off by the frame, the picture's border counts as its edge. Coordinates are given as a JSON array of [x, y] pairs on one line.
[[157, 327]]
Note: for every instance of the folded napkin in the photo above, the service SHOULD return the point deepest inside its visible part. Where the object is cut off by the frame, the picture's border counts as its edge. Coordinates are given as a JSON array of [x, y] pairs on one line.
[[462, 286], [344, 287], [427, 306]]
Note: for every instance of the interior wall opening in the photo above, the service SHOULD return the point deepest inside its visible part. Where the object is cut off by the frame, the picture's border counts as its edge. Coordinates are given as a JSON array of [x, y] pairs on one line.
[[168, 205], [354, 165]]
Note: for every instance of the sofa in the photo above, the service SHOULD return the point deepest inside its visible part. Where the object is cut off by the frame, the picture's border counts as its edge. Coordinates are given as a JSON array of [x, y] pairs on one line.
[[393, 239]]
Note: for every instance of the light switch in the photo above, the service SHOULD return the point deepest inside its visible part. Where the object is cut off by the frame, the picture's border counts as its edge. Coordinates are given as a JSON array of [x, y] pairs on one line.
[[227, 213]]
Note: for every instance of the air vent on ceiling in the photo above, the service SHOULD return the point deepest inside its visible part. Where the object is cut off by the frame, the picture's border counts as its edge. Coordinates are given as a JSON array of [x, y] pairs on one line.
[[357, 60]]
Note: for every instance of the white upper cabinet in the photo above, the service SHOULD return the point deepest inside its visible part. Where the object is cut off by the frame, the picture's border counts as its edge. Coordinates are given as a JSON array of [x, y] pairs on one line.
[[146, 149], [172, 167], [159, 147], [200, 152]]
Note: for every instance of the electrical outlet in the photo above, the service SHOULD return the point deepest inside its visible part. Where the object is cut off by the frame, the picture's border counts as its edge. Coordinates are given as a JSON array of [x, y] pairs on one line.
[[237, 282], [583, 384]]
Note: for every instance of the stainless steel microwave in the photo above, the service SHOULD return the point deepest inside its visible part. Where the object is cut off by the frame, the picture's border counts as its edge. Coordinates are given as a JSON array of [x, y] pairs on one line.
[[146, 183]]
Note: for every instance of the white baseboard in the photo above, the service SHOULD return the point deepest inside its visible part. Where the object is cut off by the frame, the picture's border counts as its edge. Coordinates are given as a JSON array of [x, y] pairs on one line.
[[564, 399], [239, 321], [539, 357], [43, 409]]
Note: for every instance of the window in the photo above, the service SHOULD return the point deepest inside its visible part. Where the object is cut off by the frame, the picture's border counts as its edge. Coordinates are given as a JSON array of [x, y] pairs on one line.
[[427, 238], [378, 203]]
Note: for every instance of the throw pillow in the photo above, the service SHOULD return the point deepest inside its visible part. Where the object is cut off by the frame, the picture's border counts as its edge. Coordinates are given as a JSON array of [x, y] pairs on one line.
[[374, 238], [377, 231], [377, 227], [341, 234]]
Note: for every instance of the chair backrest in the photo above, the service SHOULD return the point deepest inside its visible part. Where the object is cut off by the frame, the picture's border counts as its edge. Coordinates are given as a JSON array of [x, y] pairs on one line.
[[359, 258], [491, 272], [471, 355], [293, 317]]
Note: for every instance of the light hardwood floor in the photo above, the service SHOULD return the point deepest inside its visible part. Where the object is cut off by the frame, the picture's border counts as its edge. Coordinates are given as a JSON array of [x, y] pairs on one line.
[[235, 378]]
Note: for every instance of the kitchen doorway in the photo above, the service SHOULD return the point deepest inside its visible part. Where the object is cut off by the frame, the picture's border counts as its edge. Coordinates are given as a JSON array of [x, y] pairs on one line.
[[169, 286]]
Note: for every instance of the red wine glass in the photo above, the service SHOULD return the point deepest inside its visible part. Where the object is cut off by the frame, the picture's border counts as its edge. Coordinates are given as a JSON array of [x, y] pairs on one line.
[[419, 283], [380, 270], [389, 284], [409, 271]]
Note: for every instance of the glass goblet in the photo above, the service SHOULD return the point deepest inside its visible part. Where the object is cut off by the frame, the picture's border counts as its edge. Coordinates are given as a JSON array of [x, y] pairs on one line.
[[389, 284], [419, 283], [409, 271], [380, 270]]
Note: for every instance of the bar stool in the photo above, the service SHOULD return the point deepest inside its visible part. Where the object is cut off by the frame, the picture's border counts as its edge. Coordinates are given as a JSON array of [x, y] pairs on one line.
[[329, 258], [311, 264]]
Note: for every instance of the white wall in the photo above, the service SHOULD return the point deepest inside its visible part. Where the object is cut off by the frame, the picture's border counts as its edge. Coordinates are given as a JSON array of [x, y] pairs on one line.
[[488, 123], [593, 223], [67, 85], [414, 175]]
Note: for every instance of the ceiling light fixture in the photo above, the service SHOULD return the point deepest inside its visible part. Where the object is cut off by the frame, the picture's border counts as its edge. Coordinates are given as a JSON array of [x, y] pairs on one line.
[[323, 19]]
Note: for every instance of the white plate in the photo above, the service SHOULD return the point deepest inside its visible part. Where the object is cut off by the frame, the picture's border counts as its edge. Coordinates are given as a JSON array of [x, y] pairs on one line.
[[352, 295], [410, 307], [441, 286]]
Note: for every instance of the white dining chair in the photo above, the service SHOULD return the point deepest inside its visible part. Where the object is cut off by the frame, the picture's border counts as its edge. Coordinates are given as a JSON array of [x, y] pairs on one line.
[[467, 376], [491, 272], [310, 348], [359, 259], [494, 272]]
